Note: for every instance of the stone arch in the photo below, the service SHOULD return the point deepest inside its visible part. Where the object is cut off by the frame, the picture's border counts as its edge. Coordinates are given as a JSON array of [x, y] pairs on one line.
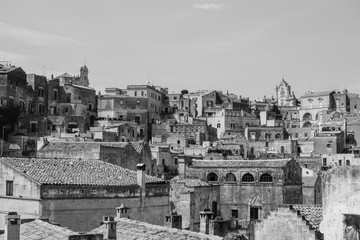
[[213, 177], [307, 117], [266, 177], [247, 177], [307, 124], [230, 177]]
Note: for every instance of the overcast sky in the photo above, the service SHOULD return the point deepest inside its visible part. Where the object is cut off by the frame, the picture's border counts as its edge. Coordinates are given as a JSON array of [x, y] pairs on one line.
[[245, 47]]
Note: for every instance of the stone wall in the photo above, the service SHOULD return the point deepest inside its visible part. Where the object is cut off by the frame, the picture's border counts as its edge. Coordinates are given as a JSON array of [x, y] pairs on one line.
[[283, 224], [340, 196]]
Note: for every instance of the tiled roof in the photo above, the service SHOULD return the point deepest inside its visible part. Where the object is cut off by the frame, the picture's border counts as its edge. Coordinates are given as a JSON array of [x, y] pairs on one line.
[[76, 172], [312, 213], [316, 94], [132, 229], [79, 146], [191, 182], [40, 230], [240, 163]]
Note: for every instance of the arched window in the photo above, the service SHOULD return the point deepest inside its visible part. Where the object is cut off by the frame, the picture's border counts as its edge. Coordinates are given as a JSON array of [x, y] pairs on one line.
[[278, 136], [230, 177], [218, 125], [247, 177], [212, 177], [307, 117], [266, 178]]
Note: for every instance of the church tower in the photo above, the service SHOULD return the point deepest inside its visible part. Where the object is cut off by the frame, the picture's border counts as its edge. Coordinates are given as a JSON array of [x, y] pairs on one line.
[[284, 96], [84, 79]]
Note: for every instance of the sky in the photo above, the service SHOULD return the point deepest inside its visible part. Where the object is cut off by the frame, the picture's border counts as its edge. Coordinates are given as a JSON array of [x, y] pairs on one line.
[[244, 47]]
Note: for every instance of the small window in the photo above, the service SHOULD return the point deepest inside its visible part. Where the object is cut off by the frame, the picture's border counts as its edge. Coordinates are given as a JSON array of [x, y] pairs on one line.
[[254, 213], [176, 161], [235, 213], [178, 141], [218, 125], [347, 162], [135, 93], [324, 161], [163, 161], [55, 94], [248, 178], [9, 188], [212, 177], [266, 178], [340, 162]]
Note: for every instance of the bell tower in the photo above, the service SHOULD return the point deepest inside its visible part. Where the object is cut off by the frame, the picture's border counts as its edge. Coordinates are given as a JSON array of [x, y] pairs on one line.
[[84, 79]]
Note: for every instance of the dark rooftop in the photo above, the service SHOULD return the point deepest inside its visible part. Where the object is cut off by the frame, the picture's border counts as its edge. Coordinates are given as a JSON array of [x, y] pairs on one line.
[[75, 172], [312, 213], [240, 163], [132, 229]]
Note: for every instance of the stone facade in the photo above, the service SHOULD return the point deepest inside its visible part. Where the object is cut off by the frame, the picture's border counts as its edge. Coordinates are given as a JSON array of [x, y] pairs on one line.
[[250, 188]]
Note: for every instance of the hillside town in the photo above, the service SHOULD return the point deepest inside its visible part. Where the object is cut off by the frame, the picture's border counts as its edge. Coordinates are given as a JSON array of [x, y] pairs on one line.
[[145, 162]]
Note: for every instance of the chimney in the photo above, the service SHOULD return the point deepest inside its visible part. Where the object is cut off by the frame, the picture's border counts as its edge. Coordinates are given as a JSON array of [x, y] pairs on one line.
[[182, 169], [86, 236], [12, 226], [110, 227], [205, 217], [173, 220], [141, 182], [122, 212]]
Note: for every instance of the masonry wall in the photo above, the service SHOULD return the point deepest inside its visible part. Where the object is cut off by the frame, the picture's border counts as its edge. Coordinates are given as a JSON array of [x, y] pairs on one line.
[[283, 225], [26, 194], [85, 214], [340, 195]]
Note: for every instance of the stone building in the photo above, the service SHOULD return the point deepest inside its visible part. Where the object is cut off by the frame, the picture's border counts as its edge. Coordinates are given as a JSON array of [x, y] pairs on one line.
[[340, 202], [247, 189], [77, 193], [314, 105], [28, 93], [291, 222], [72, 104], [284, 95]]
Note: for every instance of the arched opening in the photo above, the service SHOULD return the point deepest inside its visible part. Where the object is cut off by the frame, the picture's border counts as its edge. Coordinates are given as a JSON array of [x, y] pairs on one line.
[[307, 124], [212, 177], [218, 125], [247, 177], [307, 117], [278, 136], [266, 178], [230, 177]]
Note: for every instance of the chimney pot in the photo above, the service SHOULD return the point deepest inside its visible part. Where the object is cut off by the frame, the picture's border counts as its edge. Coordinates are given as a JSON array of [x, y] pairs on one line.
[[12, 226]]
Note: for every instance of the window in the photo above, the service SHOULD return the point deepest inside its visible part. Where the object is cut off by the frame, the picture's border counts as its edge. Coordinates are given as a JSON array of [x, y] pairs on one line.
[[163, 161], [176, 161], [135, 93], [175, 98], [178, 141], [68, 97], [66, 109], [305, 165], [90, 107], [9, 188], [212, 177], [248, 178], [347, 162], [296, 135], [340, 162], [266, 178], [142, 93], [232, 125], [235, 213], [324, 161], [137, 119], [41, 108], [141, 132], [230, 177], [254, 213], [41, 92], [55, 94], [218, 125]]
